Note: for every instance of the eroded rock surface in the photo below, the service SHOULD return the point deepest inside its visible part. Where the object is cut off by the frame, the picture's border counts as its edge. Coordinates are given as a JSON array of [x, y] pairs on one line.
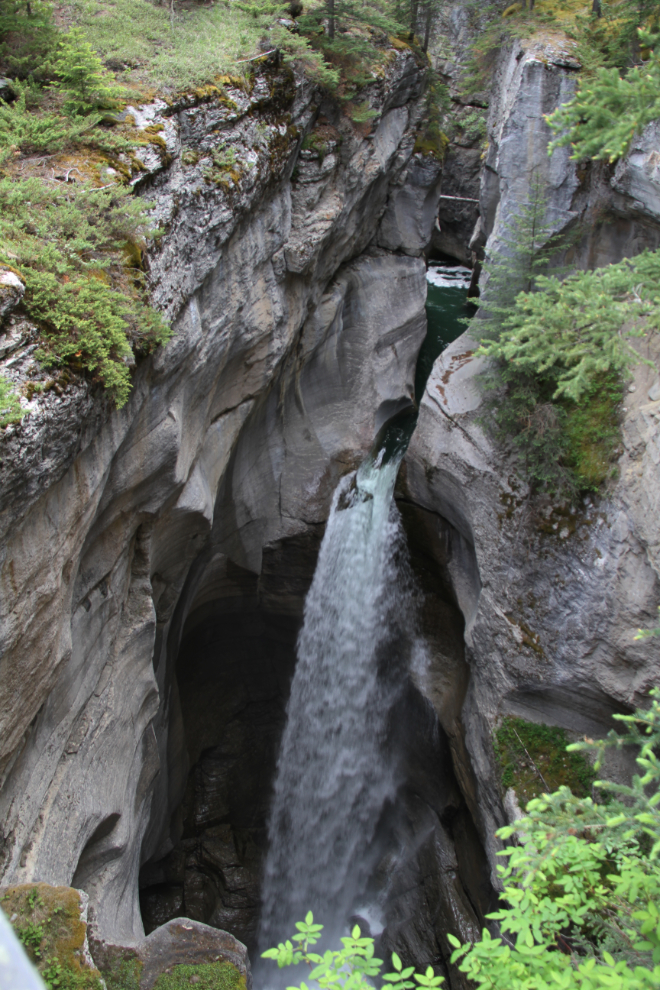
[[290, 346], [551, 595]]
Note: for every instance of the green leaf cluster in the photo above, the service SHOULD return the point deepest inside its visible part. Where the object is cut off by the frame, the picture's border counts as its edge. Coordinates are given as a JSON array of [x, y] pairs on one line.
[[75, 247], [353, 967], [579, 907], [86, 85], [28, 36], [561, 349], [21, 130], [10, 407], [579, 329]]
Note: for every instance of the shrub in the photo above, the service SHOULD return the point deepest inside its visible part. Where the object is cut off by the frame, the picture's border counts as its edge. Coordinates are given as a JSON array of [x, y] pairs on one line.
[[82, 78], [69, 243], [352, 967]]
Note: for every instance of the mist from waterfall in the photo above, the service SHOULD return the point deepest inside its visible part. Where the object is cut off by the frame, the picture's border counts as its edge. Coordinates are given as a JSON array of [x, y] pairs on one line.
[[336, 771]]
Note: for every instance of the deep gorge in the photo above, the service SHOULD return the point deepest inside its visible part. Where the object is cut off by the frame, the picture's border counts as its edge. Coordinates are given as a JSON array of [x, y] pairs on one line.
[[156, 559]]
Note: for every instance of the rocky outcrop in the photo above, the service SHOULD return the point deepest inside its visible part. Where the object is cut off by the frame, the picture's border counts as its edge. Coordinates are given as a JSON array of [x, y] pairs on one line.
[[290, 346], [552, 595]]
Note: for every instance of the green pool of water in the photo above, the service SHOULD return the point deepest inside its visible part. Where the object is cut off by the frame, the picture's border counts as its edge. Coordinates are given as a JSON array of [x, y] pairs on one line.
[[446, 306]]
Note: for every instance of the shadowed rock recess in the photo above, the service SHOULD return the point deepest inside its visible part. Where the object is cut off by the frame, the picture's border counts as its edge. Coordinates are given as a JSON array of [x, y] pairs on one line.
[[154, 561]]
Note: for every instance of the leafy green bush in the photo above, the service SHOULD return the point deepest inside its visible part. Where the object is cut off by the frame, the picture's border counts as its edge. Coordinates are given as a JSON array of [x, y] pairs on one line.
[[28, 36], [82, 78], [70, 244], [561, 349], [582, 887], [28, 132], [352, 967], [609, 109]]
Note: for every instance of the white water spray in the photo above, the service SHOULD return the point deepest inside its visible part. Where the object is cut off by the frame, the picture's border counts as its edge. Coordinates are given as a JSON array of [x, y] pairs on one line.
[[334, 773]]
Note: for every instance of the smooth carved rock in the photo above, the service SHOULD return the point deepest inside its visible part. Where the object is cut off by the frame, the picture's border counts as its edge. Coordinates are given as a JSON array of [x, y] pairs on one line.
[[233, 438]]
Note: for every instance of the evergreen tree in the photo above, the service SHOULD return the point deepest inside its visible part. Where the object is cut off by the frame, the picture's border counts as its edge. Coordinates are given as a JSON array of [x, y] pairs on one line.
[[82, 77], [610, 108]]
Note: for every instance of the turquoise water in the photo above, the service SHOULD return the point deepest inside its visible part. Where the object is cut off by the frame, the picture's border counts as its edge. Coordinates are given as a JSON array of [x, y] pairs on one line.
[[446, 306]]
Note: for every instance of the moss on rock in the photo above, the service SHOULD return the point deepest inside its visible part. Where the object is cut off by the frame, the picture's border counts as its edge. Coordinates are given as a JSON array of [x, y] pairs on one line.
[[533, 760], [48, 922]]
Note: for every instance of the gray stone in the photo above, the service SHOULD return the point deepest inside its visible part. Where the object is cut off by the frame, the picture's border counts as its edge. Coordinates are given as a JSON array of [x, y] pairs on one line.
[[289, 341], [408, 221], [12, 290]]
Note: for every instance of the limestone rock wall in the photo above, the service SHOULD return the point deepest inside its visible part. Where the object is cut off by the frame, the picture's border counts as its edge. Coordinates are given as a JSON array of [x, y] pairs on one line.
[[557, 592], [290, 344]]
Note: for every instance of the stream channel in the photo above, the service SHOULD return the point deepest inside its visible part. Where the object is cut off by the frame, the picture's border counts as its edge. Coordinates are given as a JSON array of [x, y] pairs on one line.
[[337, 770]]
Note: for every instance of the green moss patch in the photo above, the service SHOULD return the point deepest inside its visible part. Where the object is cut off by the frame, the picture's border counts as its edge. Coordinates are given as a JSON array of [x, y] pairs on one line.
[[594, 434], [47, 922], [123, 974], [533, 760], [205, 976]]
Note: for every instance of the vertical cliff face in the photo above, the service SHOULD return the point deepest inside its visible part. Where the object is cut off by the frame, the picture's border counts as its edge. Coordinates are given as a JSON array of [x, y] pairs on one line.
[[557, 592], [291, 344]]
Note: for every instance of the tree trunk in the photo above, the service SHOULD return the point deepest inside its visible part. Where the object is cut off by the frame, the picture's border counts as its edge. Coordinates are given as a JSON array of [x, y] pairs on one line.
[[331, 18], [596, 8], [427, 26], [413, 15]]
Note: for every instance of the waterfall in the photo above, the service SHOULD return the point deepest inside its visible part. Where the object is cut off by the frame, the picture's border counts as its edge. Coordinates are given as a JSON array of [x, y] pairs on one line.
[[335, 773]]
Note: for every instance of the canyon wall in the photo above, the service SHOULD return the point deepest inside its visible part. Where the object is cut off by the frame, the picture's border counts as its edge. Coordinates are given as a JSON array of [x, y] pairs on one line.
[[291, 343], [155, 559], [561, 588]]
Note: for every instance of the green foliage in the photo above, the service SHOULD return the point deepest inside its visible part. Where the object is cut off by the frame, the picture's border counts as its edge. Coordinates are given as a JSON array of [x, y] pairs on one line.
[[296, 48], [608, 110], [28, 132], [648, 633], [431, 139], [574, 328], [82, 78], [581, 889], [533, 760], [562, 350], [47, 922], [123, 974], [172, 47], [28, 36], [31, 936], [352, 967], [70, 245], [205, 976], [10, 407]]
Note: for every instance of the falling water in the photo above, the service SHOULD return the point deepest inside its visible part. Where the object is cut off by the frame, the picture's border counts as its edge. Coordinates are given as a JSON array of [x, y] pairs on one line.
[[335, 774]]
